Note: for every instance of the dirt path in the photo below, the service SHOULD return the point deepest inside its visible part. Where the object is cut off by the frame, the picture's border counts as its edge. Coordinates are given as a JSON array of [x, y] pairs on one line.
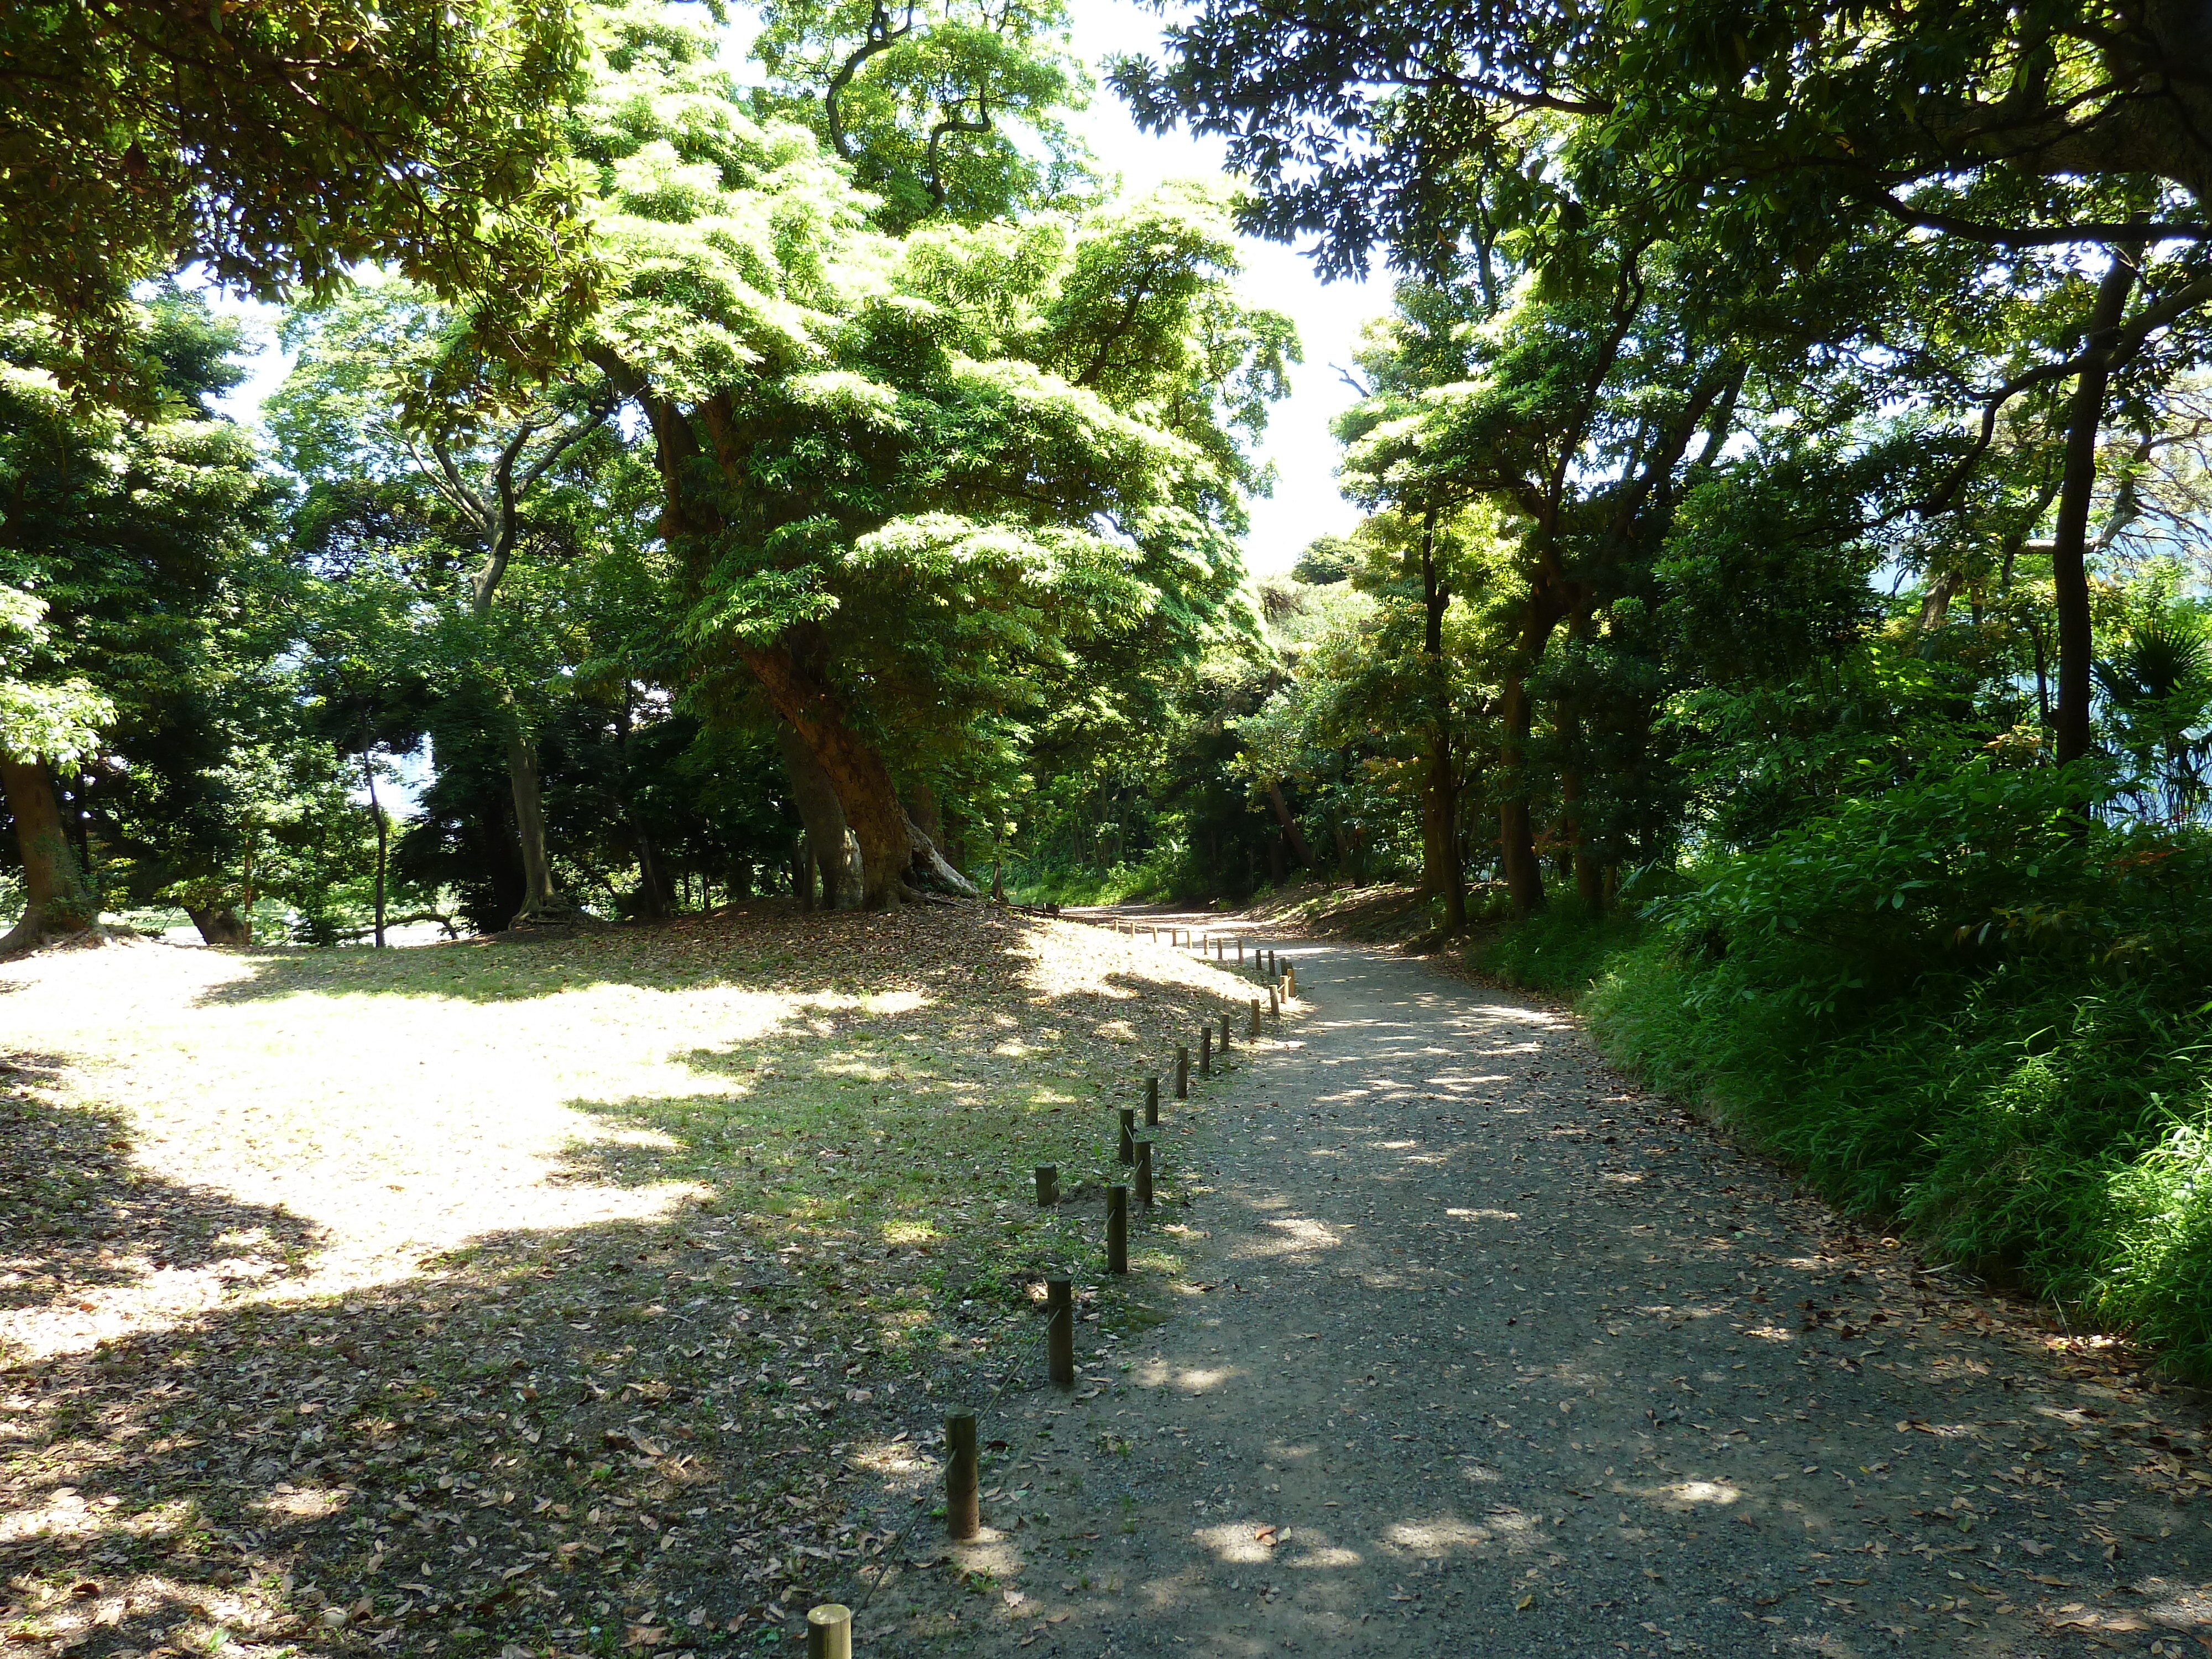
[[1482, 1352]]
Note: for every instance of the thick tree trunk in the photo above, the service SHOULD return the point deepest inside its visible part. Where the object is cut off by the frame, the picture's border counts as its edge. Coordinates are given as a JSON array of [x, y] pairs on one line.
[[819, 810], [651, 884], [58, 901], [1292, 833], [538, 897], [218, 924], [926, 818], [2069, 576], [891, 845]]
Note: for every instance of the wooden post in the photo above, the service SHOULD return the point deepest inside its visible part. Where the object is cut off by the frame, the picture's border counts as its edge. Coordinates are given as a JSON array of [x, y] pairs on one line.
[[1239, 949], [1059, 1332], [1290, 982], [1205, 1050], [1117, 1236], [1274, 1004], [830, 1632], [1224, 1038], [962, 1518], [1126, 1151], [1048, 1180], [1144, 1174], [1255, 1029], [1152, 1101], [1183, 1073]]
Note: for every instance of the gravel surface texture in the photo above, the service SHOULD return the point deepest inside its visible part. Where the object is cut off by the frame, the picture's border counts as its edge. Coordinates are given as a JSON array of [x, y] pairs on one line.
[[1480, 1350]]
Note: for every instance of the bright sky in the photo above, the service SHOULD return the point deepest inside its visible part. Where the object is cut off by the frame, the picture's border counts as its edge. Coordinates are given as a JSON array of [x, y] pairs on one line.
[[1330, 317]]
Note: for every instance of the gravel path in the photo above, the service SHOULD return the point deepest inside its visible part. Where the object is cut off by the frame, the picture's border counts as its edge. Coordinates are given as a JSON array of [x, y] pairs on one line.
[[1483, 1351]]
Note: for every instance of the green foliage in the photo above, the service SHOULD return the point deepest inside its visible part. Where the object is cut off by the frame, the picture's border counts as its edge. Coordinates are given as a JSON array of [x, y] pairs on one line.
[[1562, 950], [948, 109], [1952, 1008], [422, 131]]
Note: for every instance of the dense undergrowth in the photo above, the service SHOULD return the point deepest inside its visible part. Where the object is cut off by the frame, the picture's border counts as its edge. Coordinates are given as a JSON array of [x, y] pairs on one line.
[[1952, 1011]]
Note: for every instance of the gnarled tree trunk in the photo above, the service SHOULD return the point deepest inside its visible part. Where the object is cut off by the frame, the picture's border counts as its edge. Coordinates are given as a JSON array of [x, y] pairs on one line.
[[57, 899], [890, 847], [1292, 834], [823, 815], [218, 924]]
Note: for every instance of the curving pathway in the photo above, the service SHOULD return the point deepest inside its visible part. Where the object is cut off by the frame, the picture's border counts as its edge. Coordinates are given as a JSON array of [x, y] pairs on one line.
[[1480, 1351]]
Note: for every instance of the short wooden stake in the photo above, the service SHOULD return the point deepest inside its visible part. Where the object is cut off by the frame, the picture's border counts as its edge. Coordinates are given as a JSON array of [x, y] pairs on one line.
[[1117, 1233], [1290, 982], [830, 1632], [1183, 1073], [1205, 1050], [1255, 1029], [1152, 1101], [1224, 1036], [1144, 1174], [1274, 1004], [1127, 1152], [1059, 1332], [1239, 949], [1048, 1180], [962, 1518]]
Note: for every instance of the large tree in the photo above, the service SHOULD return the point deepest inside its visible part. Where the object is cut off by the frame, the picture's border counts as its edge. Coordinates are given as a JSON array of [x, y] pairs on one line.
[[131, 534], [903, 476]]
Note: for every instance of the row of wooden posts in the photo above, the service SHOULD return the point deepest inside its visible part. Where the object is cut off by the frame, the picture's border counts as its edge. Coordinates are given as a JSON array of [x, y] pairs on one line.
[[829, 1627]]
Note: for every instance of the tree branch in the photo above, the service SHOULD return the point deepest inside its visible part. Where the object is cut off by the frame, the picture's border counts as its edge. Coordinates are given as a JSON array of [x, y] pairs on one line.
[[881, 38]]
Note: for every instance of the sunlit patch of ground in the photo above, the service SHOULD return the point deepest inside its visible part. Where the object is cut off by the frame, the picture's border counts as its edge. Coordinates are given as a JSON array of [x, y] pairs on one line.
[[532, 1293]]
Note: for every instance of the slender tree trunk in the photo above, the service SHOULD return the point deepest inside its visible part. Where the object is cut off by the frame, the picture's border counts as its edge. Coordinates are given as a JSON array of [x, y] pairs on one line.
[[1292, 833], [2069, 576], [1440, 833], [1589, 874], [538, 897], [1516, 835], [1440, 871], [383, 840], [57, 899]]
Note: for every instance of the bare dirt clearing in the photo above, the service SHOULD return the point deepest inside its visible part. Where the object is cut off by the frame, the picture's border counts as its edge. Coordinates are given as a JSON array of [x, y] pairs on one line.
[[570, 1294]]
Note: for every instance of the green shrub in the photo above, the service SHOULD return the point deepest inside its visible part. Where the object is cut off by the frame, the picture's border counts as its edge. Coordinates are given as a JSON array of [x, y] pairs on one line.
[[1955, 1014], [1559, 949]]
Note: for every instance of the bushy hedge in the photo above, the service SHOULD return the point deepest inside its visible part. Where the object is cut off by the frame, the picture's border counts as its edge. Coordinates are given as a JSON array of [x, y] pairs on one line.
[[1952, 1007]]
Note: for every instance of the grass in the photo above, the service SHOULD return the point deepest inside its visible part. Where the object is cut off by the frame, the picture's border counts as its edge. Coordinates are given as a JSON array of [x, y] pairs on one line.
[[568, 1295]]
